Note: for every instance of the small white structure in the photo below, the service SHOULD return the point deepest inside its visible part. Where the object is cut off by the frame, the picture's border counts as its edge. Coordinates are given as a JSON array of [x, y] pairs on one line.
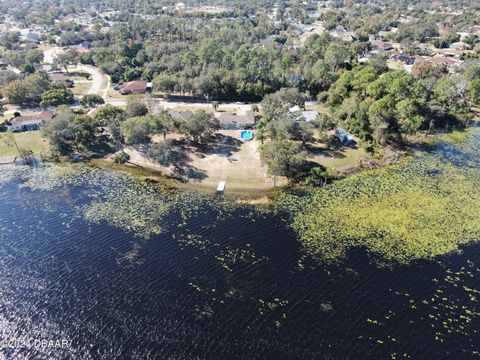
[[221, 186]]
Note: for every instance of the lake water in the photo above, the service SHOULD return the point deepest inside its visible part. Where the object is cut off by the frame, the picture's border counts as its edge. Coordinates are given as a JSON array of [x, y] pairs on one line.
[[215, 282]]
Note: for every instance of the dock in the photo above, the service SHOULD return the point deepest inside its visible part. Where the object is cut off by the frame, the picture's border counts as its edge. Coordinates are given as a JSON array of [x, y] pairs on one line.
[[5, 160], [221, 186]]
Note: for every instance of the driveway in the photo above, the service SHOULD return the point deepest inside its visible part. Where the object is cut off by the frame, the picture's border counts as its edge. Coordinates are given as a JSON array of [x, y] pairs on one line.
[[100, 81]]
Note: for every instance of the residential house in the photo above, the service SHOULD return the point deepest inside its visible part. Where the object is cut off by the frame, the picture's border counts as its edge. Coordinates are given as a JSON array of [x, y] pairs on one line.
[[444, 61], [180, 115], [340, 33], [236, 122], [364, 57], [30, 37], [406, 59], [135, 87], [308, 115], [60, 78], [380, 45], [459, 45], [449, 52], [82, 50], [30, 122]]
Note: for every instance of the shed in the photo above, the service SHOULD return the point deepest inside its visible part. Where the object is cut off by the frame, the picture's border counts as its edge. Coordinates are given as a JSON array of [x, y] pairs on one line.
[[344, 137]]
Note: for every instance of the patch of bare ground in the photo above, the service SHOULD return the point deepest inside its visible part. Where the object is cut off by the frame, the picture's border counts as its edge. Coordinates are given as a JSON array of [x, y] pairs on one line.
[[202, 165]]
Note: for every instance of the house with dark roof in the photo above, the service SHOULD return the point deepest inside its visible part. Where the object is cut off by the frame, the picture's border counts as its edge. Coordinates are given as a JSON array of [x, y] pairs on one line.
[[180, 115], [30, 122], [60, 78], [406, 59], [236, 121], [380, 45]]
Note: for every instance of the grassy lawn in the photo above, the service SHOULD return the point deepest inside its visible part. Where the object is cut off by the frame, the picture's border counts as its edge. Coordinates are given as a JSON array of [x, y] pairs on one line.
[[81, 88], [27, 140], [337, 155], [208, 109], [347, 157], [321, 108]]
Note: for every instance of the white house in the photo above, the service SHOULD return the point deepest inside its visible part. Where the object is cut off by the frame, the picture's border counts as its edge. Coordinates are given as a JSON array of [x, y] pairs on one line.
[[31, 122]]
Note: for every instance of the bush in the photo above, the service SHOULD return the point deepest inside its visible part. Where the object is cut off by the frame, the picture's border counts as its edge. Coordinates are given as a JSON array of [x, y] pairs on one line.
[[91, 100], [368, 148], [121, 158]]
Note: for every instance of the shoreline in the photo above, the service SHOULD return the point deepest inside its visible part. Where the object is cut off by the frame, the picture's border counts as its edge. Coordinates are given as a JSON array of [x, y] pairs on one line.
[[235, 192], [247, 194]]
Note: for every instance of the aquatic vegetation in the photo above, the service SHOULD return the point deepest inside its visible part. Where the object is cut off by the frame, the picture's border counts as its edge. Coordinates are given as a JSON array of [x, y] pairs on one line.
[[421, 209], [116, 198], [450, 308]]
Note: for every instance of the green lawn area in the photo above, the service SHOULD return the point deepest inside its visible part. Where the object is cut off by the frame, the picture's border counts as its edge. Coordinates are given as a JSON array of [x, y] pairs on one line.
[[337, 156], [27, 140], [81, 88], [349, 157]]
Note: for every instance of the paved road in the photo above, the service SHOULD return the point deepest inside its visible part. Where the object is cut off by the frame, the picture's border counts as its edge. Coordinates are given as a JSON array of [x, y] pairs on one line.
[[100, 81]]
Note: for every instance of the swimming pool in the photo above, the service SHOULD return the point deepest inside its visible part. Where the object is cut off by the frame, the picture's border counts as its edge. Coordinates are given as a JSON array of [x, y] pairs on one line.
[[246, 135]]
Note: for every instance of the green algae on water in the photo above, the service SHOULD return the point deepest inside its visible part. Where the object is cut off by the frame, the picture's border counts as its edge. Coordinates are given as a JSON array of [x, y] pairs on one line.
[[418, 210]]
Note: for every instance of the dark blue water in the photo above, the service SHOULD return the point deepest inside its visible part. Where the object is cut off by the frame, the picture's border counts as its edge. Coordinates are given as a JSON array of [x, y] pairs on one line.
[[227, 284]]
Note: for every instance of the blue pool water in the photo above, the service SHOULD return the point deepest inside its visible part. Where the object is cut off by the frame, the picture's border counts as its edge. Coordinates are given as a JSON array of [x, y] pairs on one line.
[[246, 135]]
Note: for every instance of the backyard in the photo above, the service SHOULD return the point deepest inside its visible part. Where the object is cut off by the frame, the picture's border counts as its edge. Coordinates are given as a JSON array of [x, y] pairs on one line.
[[32, 140]]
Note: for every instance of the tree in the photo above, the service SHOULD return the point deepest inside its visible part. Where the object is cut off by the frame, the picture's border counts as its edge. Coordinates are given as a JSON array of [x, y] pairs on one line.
[[64, 59], [324, 122], [303, 131], [92, 100], [27, 69], [163, 123], [282, 128], [475, 92], [9, 140], [162, 153], [451, 95], [283, 158], [56, 97], [121, 158], [84, 129], [137, 130], [199, 125], [408, 116], [337, 56], [109, 114], [260, 130], [26, 91], [273, 105], [136, 108], [7, 77], [380, 114], [363, 78], [60, 132], [165, 83]]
